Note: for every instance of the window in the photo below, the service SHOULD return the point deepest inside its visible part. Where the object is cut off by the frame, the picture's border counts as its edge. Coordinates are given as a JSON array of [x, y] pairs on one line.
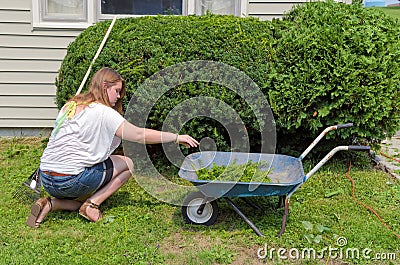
[[71, 10], [109, 8], [62, 13], [142, 7], [81, 14], [223, 7]]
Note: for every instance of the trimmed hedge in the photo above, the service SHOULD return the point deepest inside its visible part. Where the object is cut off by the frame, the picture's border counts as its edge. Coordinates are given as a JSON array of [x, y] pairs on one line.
[[336, 63], [323, 64], [140, 47]]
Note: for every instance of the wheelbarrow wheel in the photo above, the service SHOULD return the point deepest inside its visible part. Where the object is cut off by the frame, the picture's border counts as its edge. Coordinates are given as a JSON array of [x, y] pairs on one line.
[[194, 212]]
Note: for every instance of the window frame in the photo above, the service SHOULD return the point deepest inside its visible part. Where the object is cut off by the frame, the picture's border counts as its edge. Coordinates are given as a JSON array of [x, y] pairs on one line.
[[240, 8], [111, 16], [93, 14], [189, 7], [39, 20]]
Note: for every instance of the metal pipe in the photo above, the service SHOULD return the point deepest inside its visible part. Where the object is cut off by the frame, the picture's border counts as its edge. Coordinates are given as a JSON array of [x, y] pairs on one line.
[[325, 159], [320, 164], [284, 218], [244, 217], [250, 203], [96, 55], [314, 143], [332, 152]]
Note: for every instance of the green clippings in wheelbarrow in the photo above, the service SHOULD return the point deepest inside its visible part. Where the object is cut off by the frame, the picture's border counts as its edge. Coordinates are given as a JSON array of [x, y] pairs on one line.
[[284, 172], [247, 172]]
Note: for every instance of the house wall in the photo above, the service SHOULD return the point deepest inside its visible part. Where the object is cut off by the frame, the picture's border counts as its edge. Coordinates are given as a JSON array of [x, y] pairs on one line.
[[30, 59], [269, 9]]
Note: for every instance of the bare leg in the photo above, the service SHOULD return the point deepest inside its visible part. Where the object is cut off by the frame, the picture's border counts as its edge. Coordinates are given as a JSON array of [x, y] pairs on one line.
[[122, 172], [58, 204]]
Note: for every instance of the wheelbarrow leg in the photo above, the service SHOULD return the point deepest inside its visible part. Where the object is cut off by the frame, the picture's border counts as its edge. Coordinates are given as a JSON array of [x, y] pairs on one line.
[[281, 201], [285, 214], [252, 204], [244, 217]]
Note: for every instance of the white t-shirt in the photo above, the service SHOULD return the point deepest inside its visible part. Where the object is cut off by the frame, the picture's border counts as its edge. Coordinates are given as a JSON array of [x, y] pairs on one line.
[[83, 141]]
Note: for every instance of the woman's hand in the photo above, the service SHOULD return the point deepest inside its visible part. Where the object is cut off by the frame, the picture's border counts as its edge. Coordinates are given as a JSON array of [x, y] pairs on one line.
[[187, 141]]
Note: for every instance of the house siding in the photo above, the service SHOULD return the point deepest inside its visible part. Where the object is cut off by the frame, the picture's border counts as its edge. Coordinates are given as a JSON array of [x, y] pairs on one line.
[[269, 9], [29, 62], [30, 59]]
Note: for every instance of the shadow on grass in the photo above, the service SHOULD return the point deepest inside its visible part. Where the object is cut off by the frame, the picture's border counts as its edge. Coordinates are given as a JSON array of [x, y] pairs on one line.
[[125, 198], [268, 217]]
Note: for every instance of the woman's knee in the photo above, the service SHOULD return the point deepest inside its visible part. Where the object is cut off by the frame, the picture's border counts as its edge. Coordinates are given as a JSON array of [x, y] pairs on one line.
[[122, 163], [129, 163]]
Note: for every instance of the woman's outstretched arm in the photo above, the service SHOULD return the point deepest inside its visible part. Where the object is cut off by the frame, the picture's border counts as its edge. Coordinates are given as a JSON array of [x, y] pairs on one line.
[[130, 132]]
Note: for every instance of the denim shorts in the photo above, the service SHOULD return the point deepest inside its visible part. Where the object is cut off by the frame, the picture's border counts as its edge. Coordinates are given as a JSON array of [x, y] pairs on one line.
[[75, 186]]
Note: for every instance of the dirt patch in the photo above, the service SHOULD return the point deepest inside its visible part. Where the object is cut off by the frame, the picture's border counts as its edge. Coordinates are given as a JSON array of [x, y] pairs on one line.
[[185, 248], [182, 247]]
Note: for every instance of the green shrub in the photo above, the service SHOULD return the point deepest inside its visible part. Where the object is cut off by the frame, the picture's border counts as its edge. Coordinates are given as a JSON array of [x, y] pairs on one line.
[[140, 47], [335, 63], [323, 64]]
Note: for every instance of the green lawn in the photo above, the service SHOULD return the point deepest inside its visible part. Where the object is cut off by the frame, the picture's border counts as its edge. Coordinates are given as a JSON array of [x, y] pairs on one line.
[[391, 10], [138, 229]]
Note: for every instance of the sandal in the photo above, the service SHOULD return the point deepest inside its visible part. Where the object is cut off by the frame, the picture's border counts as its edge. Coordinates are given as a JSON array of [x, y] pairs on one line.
[[36, 210], [83, 209]]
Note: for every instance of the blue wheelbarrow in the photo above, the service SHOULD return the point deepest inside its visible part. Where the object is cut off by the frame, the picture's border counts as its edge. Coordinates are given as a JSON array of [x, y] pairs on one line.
[[285, 172]]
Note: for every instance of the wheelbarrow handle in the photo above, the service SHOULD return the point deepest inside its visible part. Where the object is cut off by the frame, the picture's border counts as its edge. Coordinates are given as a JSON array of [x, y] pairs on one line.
[[330, 128], [346, 125], [326, 158], [359, 148]]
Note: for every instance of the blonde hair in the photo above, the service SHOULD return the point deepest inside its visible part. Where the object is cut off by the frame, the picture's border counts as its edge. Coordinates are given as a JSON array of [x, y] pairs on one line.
[[96, 93]]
